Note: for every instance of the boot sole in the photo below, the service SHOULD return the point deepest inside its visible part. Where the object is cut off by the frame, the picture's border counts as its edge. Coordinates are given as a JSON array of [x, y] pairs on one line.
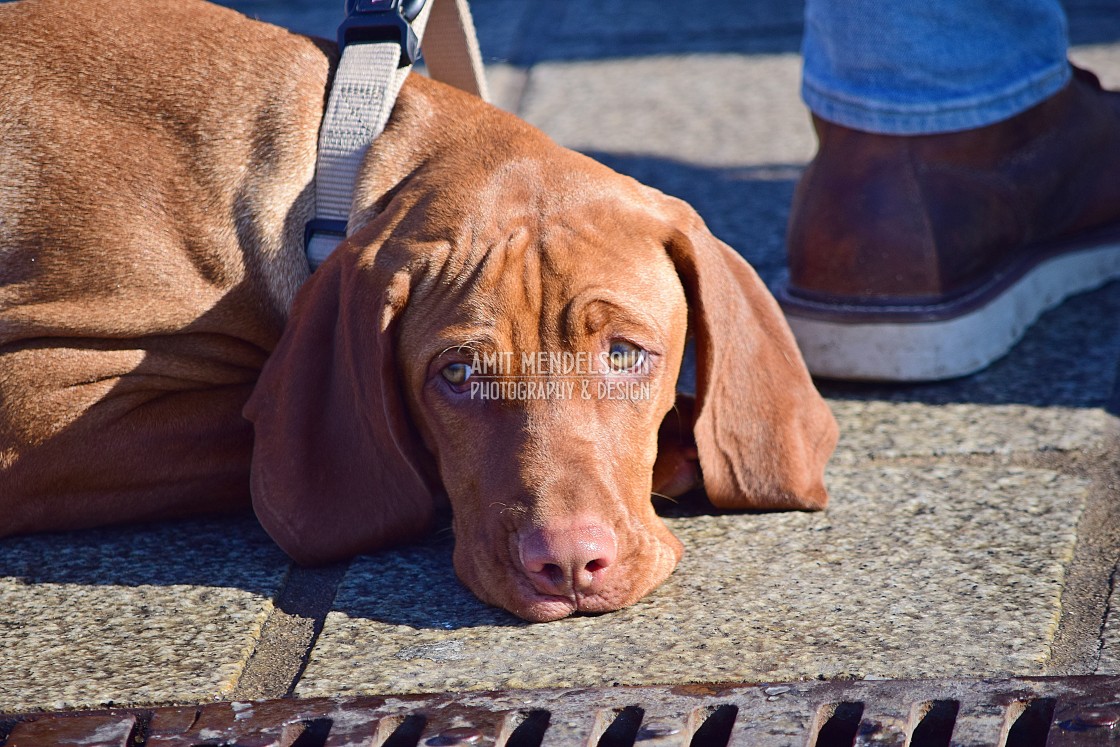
[[935, 341]]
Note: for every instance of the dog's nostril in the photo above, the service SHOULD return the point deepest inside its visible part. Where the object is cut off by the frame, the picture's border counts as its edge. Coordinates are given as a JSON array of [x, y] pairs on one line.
[[565, 560], [553, 572]]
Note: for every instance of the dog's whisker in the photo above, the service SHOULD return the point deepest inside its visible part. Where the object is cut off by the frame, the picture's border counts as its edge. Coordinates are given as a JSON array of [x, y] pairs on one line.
[[505, 508]]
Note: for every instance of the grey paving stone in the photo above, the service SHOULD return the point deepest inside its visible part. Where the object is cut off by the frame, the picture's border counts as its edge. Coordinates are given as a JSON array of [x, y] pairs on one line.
[[939, 572], [585, 29], [1053, 391], [1102, 59], [502, 28], [507, 85], [879, 430], [707, 110], [1109, 662], [153, 614], [1092, 22], [313, 17]]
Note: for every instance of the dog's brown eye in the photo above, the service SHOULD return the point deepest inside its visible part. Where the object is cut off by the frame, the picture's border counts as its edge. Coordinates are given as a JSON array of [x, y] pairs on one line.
[[457, 373], [625, 356]]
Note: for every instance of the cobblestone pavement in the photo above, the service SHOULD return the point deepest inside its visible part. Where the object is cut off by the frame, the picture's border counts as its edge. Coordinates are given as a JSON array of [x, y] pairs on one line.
[[974, 525]]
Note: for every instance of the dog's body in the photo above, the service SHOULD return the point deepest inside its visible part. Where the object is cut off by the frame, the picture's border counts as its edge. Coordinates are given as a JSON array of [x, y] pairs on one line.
[[155, 178], [153, 173]]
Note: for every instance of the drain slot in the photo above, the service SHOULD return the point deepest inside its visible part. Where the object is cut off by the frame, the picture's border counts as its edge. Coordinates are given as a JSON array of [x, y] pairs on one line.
[[527, 729], [936, 720], [306, 733], [405, 732], [715, 726], [839, 724], [623, 729], [1032, 720]]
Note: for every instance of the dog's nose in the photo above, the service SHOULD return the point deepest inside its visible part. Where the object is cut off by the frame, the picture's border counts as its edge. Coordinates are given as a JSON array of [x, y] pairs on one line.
[[568, 561]]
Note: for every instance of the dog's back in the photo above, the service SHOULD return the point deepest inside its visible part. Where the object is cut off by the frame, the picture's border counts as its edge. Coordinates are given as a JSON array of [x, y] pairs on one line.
[[154, 171]]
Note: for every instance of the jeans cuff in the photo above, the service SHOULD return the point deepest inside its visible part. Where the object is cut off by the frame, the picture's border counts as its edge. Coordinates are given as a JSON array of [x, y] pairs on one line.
[[883, 117]]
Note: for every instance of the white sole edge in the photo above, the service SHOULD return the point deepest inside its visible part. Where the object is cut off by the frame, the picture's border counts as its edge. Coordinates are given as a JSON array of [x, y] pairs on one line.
[[946, 349]]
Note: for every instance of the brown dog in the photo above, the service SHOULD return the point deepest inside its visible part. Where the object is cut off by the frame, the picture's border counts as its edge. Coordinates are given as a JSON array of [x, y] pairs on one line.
[[155, 177]]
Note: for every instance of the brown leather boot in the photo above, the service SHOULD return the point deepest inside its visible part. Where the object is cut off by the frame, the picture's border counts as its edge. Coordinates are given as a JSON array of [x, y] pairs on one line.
[[927, 257]]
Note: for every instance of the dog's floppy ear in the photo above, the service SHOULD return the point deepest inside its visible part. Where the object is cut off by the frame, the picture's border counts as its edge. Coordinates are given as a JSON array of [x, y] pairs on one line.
[[337, 468], [762, 430]]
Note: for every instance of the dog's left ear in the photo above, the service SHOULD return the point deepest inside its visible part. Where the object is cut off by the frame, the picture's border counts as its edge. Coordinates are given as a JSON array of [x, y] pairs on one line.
[[337, 468], [763, 432]]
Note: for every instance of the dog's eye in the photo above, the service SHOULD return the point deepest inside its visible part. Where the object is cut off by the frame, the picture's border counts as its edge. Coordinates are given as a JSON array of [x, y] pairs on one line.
[[457, 373], [625, 356]]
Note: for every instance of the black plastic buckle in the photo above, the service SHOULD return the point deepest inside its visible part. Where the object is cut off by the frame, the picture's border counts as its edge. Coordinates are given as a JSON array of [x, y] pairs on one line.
[[323, 225], [382, 20]]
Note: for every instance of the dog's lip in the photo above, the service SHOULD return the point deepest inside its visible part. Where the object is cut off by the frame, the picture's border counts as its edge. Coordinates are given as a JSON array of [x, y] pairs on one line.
[[539, 607]]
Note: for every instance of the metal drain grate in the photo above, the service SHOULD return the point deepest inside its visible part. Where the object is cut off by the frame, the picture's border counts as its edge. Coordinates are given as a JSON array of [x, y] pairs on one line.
[[1063, 711]]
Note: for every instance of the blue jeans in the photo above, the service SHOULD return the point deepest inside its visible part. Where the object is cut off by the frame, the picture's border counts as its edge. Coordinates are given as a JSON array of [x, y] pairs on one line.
[[907, 67]]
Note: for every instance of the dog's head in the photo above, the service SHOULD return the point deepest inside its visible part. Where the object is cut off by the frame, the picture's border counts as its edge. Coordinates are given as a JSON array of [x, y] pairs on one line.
[[506, 330]]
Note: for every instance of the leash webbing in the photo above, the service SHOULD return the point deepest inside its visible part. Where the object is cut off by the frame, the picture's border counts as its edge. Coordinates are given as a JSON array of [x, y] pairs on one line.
[[451, 48], [366, 83]]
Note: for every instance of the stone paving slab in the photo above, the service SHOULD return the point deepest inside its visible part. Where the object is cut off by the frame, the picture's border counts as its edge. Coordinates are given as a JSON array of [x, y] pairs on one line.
[[706, 109], [1109, 661], [1052, 392], [1102, 59], [883, 430], [903, 562], [156, 614]]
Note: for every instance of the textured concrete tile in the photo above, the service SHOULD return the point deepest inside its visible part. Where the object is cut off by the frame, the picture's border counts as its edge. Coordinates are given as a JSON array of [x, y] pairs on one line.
[[939, 572], [584, 29], [507, 84], [499, 23], [1102, 59], [705, 109], [313, 17], [501, 26], [894, 429], [1109, 662], [662, 24], [137, 615], [1050, 392]]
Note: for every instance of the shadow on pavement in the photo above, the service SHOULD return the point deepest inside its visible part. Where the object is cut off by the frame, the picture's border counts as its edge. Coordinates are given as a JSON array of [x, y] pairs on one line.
[[524, 34]]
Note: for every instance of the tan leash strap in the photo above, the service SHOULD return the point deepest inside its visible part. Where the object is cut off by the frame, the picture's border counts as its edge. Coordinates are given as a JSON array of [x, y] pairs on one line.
[[366, 83]]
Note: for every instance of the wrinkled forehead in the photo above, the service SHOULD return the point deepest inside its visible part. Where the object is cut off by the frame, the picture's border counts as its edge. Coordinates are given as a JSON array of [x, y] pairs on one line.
[[536, 262], [550, 207], [535, 181]]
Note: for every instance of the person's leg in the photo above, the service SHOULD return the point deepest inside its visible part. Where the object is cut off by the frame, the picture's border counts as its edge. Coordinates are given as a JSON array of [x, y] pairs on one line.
[[908, 68], [966, 181]]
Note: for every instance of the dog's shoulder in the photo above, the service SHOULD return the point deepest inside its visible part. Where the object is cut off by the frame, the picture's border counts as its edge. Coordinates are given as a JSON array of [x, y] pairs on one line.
[[166, 56]]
